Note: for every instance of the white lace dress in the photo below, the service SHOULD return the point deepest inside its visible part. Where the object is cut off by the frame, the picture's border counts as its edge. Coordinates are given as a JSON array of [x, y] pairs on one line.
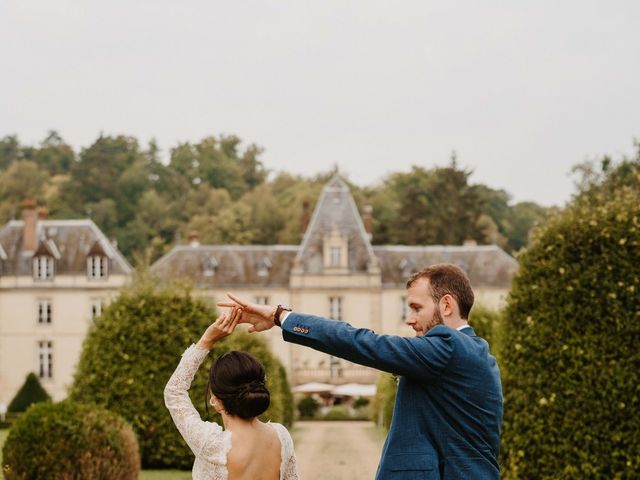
[[207, 440]]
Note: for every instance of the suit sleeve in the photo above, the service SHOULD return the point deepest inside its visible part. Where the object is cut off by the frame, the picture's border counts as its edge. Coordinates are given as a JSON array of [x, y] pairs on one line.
[[420, 357]]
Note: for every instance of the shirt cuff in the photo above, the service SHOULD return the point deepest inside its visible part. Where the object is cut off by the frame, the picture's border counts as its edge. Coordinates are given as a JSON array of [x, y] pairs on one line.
[[283, 317]]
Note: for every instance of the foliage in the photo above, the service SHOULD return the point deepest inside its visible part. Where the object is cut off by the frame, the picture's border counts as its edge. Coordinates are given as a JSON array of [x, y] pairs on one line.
[[30, 392], [223, 191], [68, 440], [361, 402], [130, 353], [486, 324], [308, 407], [337, 413], [385, 399], [571, 333]]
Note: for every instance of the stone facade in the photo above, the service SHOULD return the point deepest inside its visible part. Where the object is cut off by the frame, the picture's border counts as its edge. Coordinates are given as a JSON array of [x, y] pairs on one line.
[[55, 277]]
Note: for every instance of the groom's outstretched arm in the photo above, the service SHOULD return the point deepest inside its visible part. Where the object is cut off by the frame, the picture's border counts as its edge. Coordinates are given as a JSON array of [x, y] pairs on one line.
[[419, 357]]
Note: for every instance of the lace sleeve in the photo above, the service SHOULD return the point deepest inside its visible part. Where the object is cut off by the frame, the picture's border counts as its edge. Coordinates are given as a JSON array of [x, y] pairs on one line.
[[288, 467], [193, 429]]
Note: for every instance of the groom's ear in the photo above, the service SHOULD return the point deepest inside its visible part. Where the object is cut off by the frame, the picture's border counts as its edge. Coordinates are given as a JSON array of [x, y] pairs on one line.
[[448, 305]]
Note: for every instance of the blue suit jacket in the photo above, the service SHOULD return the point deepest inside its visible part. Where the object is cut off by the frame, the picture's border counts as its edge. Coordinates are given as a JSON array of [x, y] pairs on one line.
[[448, 410]]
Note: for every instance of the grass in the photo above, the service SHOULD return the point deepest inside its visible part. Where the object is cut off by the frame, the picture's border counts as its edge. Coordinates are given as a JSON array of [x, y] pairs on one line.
[[165, 475], [144, 474]]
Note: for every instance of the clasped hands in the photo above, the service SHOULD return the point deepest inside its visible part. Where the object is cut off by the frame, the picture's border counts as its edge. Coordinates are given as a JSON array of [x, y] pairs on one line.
[[260, 318]]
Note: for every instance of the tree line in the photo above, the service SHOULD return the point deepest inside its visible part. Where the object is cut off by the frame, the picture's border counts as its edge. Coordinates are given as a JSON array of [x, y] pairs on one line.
[[221, 189]]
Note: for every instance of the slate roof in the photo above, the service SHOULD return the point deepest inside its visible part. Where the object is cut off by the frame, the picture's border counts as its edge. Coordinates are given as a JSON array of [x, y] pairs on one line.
[[68, 241], [221, 266], [486, 265], [229, 265], [337, 210]]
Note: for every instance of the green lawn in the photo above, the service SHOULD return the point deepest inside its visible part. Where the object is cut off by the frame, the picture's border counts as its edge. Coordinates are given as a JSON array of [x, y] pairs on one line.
[[144, 475]]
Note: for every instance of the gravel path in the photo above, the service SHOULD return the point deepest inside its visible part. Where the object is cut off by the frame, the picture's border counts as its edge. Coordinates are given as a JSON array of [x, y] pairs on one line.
[[337, 450]]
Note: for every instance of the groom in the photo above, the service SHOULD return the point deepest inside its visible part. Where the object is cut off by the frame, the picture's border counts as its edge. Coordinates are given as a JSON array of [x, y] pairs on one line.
[[446, 419]]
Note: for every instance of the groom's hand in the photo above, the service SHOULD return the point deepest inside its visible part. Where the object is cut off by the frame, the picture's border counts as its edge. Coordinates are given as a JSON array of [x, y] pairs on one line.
[[259, 316]]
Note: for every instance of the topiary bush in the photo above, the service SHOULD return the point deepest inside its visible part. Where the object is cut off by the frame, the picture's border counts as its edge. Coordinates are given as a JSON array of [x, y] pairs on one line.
[[130, 353], [486, 324], [70, 441], [570, 361], [30, 392], [385, 399], [337, 413], [308, 407]]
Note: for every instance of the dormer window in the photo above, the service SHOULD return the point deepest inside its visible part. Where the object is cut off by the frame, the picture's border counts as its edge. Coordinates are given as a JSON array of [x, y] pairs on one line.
[[97, 267], [210, 267], [43, 267], [335, 256], [407, 267], [336, 251], [264, 266]]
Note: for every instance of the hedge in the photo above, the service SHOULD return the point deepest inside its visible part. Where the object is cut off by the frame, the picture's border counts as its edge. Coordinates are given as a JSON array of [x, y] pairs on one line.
[[69, 441], [130, 353], [570, 364], [30, 392]]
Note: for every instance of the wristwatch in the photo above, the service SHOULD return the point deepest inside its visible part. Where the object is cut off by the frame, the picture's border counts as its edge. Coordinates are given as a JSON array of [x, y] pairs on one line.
[[276, 316]]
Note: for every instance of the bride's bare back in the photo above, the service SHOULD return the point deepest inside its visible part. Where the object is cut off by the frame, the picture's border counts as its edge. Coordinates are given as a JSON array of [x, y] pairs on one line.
[[255, 453]]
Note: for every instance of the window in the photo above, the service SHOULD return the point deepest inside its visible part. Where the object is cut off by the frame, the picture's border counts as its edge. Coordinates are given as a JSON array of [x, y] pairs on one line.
[[45, 357], [97, 267], [96, 307], [262, 300], [403, 308], [335, 256], [335, 308], [44, 312], [43, 267]]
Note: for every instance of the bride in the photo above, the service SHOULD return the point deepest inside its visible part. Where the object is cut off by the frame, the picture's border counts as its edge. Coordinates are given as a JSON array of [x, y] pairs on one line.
[[246, 449]]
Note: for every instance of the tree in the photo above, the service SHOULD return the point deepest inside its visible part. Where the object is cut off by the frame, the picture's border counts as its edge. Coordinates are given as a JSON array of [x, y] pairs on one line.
[[31, 392], [22, 180], [570, 339], [54, 155], [10, 151]]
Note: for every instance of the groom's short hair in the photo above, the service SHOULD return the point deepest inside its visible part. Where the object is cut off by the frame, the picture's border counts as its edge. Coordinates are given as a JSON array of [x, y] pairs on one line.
[[446, 278]]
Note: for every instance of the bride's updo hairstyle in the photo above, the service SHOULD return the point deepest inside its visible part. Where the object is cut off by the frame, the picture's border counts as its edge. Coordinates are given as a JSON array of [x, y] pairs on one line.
[[237, 379]]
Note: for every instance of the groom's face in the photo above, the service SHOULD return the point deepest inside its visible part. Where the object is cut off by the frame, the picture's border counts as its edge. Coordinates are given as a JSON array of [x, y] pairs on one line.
[[424, 314]]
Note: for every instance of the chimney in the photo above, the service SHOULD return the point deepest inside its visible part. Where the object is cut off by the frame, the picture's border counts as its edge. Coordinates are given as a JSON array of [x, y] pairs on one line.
[[194, 238], [305, 215], [30, 219], [368, 221]]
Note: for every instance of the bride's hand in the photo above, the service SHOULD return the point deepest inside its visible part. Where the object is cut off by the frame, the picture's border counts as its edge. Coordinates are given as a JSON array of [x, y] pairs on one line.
[[224, 325]]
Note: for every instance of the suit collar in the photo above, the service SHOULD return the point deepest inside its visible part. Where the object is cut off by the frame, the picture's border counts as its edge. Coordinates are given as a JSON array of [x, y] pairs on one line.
[[468, 330]]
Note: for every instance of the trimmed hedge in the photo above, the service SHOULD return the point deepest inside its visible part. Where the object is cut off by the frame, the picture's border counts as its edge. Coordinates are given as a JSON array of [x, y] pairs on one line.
[[130, 353], [571, 353], [308, 407], [70, 441], [385, 399], [30, 392], [486, 324]]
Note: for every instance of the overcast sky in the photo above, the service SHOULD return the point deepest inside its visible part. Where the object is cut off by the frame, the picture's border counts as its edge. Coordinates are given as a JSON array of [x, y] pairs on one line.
[[521, 90]]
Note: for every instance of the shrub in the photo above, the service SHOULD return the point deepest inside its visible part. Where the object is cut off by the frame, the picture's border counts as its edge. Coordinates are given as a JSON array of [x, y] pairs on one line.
[[361, 402], [30, 392], [384, 401], [338, 412], [308, 407], [486, 324], [70, 441], [130, 353], [571, 331]]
